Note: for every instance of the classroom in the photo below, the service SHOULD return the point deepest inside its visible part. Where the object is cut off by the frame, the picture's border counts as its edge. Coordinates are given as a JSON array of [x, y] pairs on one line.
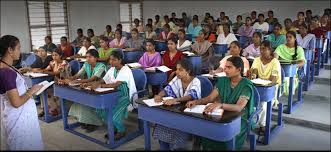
[[165, 75]]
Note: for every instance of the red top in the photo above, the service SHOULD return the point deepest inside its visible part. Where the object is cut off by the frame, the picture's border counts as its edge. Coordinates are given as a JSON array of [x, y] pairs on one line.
[[67, 50], [320, 31], [212, 38], [171, 63], [166, 36]]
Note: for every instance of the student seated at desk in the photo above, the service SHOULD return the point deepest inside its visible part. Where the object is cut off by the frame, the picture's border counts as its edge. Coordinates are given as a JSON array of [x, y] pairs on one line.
[[289, 52], [166, 34], [60, 69], [276, 38], [203, 48], [231, 93], [78, 42], [137, 25], [304, 38], [94, 39], [87, 45], [246, 29], [288, 27], [104, 50], [261, 25], [157, 23], [135, 43], [91, 71], [237, 24], [210, 36], [266, 67], [108, 33], [151, 58], [183, 44], [253, 50], [184, 87], [300, 19], [320, 31], [119, 41], [194, 29], [121, 78], [42, 60], [235, 50], [66, 47], [120, 28], [271, 20], [49, 45], [150, 33], [226, 37], [171, 57]]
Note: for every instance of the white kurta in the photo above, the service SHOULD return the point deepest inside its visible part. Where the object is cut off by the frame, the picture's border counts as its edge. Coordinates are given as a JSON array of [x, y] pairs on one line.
[[20, 128]]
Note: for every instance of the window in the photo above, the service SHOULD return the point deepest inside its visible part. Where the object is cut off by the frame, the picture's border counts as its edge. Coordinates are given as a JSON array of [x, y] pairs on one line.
[[129, 10], [47, 17]]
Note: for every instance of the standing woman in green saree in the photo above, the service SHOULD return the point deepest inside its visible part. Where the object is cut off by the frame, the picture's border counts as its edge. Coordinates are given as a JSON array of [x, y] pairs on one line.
[[231, 93], [91, 71]]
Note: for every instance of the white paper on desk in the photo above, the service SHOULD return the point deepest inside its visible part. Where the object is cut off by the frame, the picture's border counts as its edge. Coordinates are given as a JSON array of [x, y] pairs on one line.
[[45, 85], [200, 108], [103, 89], [261, 81], [163, 68], [150, 69], [188, 53], [152, 103], [134, 65], [35, 75], [82, 60], [222, 74]]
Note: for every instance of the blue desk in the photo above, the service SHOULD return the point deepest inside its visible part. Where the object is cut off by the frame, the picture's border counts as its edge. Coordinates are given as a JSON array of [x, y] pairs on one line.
[[328, 37], [266, 95], [132, 56], [309, 54], [96, 100], [47, 117], [161, 46], [157, 78], [196, 62], [291, 71], [220, 49], [220, 129], [319, 47]]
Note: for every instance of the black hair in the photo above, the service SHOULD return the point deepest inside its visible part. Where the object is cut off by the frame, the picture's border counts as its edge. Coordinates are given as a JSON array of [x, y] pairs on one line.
[[173, 40], [182, 30], [157, 16], [166, 16], [118, 30], [150, 41], [49, 37], [108, 26], [287, 19], [173, 13], [249, 18], [80, 30], [238, 63], [227, 25], [149, 25], [261, 15], [149, 19], [304, 25], [301, 13], [204, 33], [207, 14], [90, 30], [240, 16], [104, 38], [195, 18], [253, 12], [267, 44], [184, 14], [118, 55], [119, 25], [295, 55], [308, 11], [222, 13], [65, 38], [7, 41], [167, 26], [136, 20], [135, 30], [93, 52], [187, 65], [278, 25], [59, 52], [87, 39], [236, 43], [211, 17], [270, 11], [258, 34]]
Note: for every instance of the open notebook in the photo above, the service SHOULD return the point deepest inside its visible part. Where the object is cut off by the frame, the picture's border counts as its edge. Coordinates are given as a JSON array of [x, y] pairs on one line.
[[222, 74], [160, 68], [261, 81], [45, 85], [35, 75], [134, 65], [198, 109], [100, 89], [152, 103]]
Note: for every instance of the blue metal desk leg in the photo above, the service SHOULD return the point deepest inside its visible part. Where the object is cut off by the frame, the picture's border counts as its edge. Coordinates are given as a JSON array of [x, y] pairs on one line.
[[307, 80], [45, 102], [111, 136], [300, 92], [268, 124], [64, 114], [231, 144], [290, 96], [147, 136]]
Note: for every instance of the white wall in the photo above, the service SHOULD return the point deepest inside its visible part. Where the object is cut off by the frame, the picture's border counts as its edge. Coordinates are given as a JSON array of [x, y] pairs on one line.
[[14, 22], [282, 9], [94, 14]]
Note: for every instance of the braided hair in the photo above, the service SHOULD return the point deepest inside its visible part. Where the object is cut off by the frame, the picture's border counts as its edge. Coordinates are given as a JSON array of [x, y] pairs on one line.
[[295, 55]]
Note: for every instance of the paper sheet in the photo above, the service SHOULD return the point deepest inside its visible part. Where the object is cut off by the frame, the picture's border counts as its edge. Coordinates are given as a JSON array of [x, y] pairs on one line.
[[200, 108], [188, 53], [222, 74], [45, 85], [103, 89], [134, 65], [152, 103], [163, 68], [35, 75], [261, 81]]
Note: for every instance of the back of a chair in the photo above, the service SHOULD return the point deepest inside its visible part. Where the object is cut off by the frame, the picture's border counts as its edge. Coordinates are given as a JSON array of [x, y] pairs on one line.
[[75, 66], [256, 98], [243, 40], [206, 86], [140, 79], [188, 37], [220, 49], [161, 46], [30, 59]]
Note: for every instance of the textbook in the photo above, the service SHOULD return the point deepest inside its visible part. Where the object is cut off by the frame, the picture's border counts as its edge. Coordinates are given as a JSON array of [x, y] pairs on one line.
[[222, 74], [35, 75], [198, 109], [261, 81], [134, 65], [152, 103], [160, 68], [45, 85]]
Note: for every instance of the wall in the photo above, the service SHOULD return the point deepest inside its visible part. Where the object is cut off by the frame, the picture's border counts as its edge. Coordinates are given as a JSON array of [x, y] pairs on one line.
[[92, 14], [282, 9], [14, 22]]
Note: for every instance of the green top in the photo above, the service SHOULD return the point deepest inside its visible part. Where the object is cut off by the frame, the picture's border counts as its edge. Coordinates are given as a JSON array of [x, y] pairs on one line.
[[276, 41], [105, 53], [285, 53]]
